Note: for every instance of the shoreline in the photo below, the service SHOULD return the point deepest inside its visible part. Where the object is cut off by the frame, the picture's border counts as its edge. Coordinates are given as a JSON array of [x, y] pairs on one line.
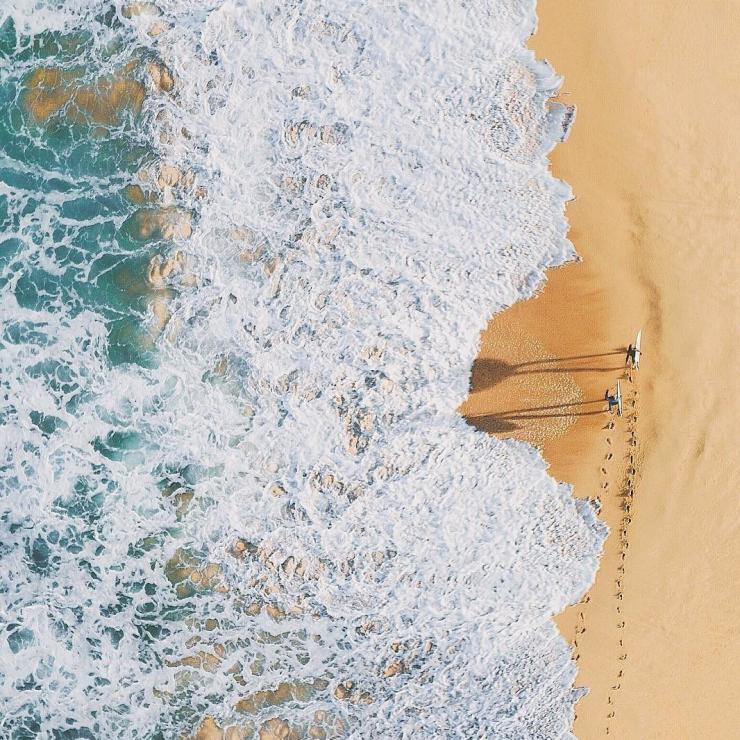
[[654, 174]]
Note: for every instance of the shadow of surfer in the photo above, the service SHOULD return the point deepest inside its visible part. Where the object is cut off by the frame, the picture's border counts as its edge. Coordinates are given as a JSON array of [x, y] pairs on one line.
[[488, 372]]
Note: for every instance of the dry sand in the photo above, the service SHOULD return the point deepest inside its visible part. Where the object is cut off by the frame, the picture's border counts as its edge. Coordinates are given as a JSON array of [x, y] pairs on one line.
[[654, 162]]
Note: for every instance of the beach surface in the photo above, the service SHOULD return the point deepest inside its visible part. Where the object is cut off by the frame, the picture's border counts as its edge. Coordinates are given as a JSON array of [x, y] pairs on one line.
[[654, 163]]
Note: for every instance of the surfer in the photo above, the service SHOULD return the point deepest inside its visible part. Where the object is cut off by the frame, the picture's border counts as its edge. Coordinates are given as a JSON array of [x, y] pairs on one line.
[[634, 352], [614, 400], [611, 400], [631, 356]]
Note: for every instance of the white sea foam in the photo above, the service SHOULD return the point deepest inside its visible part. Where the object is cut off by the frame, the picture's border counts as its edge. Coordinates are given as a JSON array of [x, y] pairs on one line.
[[377, 187], [36, 16]]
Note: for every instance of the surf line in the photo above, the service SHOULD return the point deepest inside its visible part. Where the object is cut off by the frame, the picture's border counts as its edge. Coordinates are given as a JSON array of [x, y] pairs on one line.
[[628, 494]]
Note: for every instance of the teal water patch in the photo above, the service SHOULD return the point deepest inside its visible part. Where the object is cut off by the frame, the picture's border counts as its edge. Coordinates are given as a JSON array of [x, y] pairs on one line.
[[82, 520], [63, 207]]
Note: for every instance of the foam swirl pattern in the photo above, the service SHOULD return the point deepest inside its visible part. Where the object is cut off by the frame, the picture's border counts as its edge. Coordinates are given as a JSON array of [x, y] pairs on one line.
[[268, 511]]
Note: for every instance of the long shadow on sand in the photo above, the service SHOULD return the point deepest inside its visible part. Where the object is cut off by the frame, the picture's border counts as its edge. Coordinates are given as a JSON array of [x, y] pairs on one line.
[[504, 421], [488, 372]]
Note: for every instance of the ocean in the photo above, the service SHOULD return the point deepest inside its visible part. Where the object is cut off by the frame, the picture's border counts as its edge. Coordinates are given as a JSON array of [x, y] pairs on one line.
[[246, 251]]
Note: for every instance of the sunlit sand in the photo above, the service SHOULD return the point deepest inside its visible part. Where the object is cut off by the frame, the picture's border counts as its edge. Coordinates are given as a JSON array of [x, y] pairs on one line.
[[653, 162]]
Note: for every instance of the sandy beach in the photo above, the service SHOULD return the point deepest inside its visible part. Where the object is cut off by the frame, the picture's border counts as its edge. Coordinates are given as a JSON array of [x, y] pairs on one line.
[[654, 163]]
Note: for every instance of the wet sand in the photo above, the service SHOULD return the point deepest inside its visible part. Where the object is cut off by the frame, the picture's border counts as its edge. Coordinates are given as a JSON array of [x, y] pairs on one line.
[[654, 162]]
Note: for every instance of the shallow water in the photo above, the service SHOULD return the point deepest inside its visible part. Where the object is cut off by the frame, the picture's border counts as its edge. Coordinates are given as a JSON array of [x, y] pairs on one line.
[[235, 483]]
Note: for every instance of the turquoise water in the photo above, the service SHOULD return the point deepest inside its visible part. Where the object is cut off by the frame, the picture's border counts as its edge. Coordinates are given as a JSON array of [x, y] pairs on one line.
[[75, 304], [63, 197]]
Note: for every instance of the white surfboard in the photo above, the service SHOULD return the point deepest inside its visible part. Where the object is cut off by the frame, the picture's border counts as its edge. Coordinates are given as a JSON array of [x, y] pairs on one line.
[[619, 400], [638, 350]]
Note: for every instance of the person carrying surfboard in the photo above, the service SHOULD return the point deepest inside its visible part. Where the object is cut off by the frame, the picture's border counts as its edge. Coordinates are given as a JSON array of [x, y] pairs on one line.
[[611, 400], [630, 355], [614, 400], [634, 352]]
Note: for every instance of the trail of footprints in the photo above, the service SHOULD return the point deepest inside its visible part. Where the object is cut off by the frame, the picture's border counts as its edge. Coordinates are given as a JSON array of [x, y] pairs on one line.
[[627, 494]]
